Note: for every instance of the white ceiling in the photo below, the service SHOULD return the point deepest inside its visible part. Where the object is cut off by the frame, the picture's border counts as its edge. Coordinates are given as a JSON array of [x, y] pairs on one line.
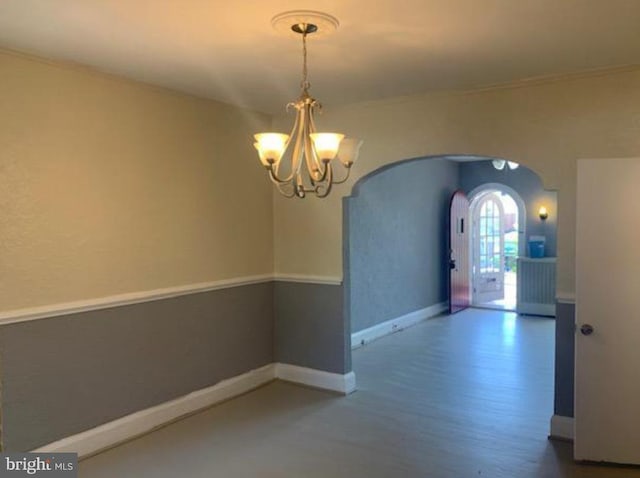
[[229, 51]]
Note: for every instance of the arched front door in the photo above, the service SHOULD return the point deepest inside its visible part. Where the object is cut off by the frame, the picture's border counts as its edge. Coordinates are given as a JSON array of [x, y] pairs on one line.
[[488, 254]]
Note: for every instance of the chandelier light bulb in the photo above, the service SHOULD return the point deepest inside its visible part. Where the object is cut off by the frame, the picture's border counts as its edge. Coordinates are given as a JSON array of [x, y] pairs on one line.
[[270, 146], [326, 145]]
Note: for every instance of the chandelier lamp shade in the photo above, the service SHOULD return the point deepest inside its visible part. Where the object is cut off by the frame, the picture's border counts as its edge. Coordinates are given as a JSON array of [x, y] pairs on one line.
[[303, 162]]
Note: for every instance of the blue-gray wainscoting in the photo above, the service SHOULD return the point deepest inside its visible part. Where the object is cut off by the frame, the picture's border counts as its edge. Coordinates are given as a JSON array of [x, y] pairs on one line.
[[565, 359], [309, 327], [63, 375], [66, 374]]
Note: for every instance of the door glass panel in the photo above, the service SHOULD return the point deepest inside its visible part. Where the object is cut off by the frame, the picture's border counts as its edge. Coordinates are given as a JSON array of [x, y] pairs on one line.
[[489, 237]]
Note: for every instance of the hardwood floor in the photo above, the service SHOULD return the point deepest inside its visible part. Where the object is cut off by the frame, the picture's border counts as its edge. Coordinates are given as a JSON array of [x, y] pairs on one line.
[[463, 396]]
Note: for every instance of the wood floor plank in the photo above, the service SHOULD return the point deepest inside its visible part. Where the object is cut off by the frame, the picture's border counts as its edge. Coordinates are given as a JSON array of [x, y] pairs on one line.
[[468, 395]]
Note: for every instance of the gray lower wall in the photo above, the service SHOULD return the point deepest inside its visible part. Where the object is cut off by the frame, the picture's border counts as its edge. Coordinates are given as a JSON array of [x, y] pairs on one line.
[[67, 374], [310, 329], [71, 373], [396, 227], [565, 359], [530, 188]]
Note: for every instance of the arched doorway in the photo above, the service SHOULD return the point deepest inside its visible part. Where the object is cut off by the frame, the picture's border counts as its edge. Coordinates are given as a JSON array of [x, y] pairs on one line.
[[396, 259], [498, 238], [392, 269]]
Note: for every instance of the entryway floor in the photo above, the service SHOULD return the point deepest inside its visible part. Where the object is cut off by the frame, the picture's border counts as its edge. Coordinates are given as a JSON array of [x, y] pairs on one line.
[[468, 395], [509, 301]]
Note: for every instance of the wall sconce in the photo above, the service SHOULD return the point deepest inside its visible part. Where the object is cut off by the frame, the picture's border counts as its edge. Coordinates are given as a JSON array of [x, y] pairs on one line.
[[543, 213]]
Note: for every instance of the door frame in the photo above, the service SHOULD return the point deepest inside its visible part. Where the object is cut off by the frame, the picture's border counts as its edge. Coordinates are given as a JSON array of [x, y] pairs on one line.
[[474, 197]]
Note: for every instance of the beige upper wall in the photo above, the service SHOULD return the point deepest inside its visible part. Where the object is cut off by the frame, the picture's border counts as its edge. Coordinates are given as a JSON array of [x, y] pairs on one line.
[[109, 186], [546, 126]]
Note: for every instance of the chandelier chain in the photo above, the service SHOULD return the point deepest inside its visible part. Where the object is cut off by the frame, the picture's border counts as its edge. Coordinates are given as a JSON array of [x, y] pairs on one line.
[[305, 83]]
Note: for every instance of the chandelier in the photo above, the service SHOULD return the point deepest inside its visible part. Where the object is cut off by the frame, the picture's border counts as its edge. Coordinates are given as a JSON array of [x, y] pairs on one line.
[[308, 167]]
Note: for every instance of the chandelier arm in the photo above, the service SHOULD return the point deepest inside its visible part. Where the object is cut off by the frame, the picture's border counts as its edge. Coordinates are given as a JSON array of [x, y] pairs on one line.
[[300, 189], [323, 176], [298, 147], [313, 162], [306, 139], [312, 120], [273, 175], [340, 181], [316, 174], [274, 170], [326, 185], [282, 191], [313, 129]]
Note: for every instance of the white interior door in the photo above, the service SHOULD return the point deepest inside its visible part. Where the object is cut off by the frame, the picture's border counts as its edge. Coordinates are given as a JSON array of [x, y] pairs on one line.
[[488, 253], [607, 419]]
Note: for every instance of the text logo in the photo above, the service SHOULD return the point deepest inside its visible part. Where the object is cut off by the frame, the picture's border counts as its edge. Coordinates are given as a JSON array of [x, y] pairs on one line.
[[51, 465]]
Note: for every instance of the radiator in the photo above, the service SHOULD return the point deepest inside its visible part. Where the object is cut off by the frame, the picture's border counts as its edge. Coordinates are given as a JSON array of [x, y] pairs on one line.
[[537, 286]]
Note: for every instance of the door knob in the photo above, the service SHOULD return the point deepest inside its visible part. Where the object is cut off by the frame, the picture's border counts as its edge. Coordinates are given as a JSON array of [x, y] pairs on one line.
[[452, 264], [586, 329]]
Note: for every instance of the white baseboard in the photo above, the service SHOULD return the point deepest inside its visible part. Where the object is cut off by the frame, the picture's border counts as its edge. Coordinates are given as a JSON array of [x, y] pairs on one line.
[[138, 423], [548, 310], [131, 426], [362, 337], [344, 384], [562, 427]]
